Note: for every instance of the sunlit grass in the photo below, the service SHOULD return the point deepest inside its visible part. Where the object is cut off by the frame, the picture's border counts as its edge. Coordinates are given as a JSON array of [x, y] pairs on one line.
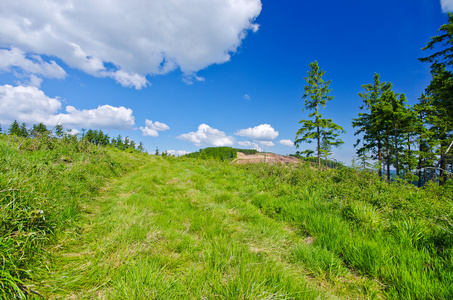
[[77, 226]]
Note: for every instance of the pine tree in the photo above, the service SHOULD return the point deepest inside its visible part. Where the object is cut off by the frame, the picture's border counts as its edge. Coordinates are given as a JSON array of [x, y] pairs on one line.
[[14, 129], [322, 130]]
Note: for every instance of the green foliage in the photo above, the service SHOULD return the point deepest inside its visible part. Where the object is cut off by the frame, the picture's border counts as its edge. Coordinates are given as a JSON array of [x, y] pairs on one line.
[[444, 40], [39, 130], [305, 156], [14, 129], [439, 96], [324, 131], [219, 153]]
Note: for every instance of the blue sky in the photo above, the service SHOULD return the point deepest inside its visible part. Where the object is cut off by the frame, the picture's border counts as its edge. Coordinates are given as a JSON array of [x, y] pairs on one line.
[[184, 75]]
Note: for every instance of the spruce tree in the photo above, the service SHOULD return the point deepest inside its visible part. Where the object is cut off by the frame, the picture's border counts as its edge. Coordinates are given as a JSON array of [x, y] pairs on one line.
[[323, 131], [14, 129], [370, 123], [440, 93]]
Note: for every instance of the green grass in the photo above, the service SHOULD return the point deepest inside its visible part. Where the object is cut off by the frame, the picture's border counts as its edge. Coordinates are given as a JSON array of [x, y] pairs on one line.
[[395, 234], [42, 186], [159, 236], [118, 225]]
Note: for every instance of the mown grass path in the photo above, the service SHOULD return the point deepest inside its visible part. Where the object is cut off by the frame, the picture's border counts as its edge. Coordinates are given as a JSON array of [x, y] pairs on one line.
[[182, 230]]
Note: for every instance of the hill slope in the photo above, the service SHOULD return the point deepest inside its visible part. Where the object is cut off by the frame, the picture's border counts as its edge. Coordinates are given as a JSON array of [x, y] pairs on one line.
[[86, 222]]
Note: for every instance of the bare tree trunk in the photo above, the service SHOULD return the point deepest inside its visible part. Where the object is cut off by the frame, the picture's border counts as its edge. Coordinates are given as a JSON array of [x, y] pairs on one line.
[[395, 141], [319, 149], [409, 156], [380, 157], [442, 162], [388, 160], [420, 164]]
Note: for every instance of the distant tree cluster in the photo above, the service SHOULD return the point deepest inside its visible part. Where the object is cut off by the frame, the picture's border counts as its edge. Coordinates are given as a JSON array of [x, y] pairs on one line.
[[95, 137], [219, 153]]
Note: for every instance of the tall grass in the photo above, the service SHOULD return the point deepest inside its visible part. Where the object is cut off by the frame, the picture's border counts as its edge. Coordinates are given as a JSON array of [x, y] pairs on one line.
[[194, 229], [42, 185], [397, 234]]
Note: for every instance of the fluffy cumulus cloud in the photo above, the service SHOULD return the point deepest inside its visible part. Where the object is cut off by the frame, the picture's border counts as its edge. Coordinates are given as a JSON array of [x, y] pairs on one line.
[[105, 117], [30, 105], [288, 143], [26, 104], [207, 136], [126, 40], [447, 5], [152, 129], [263, 132]]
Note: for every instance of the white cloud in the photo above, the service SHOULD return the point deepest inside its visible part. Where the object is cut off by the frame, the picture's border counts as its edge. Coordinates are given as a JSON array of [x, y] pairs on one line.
[[177, 152], [189, 78], [263, 132], [288, 143], [246, 97], [447, 5], [26, 104], [128, 79], [250, 144], [152, 129], [266, 143], [103, 117], [137, 37], [30, 65], [207, 136], [30, 105], [73, 132], [257, 145]]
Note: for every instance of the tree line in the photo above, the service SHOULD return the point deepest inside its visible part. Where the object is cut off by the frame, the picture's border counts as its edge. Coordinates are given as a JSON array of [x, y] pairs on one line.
[[96, 137], [219, 153], [414, 141]]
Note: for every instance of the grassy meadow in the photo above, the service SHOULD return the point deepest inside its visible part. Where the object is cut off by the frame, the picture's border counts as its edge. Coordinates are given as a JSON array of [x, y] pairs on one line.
[[83, 222]]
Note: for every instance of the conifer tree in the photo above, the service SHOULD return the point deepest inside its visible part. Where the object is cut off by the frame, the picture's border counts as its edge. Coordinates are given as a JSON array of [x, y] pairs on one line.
[[440, 92], [14, 128], [317, 128], [23, 130], [39, 130], [370, 121]]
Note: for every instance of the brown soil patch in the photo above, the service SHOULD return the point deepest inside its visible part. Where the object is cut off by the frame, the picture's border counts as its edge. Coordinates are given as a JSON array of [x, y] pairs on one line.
[[268, 158]]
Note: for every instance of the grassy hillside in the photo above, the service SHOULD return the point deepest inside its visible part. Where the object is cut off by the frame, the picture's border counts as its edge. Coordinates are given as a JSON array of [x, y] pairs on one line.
[[83, 222], [43, 188]]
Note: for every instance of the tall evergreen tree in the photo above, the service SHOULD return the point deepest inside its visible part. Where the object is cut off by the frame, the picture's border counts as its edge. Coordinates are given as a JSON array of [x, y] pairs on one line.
[[14, 129], [370, 123], [317, 128], [23, 130], [440, 92]]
